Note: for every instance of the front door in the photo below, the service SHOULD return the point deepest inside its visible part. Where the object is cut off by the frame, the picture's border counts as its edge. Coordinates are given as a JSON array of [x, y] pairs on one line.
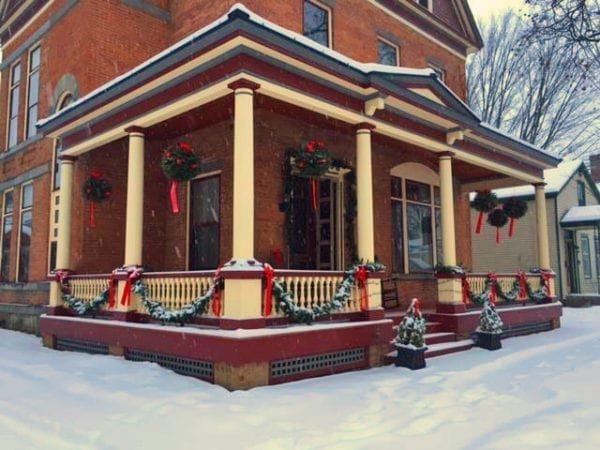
[[315, 234], [205, 220], [571, 262]]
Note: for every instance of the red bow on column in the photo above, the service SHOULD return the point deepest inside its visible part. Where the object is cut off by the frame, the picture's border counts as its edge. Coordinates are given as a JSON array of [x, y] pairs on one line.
[[546, 277], [216, 301], [133, 274], [362, 275], [62, 278], [112, 289], [466, 291], [522, 278], [269, 277]]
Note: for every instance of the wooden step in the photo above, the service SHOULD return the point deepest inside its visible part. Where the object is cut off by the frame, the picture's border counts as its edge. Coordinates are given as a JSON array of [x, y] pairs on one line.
[[433, 350], [433, 327], [437, 338]]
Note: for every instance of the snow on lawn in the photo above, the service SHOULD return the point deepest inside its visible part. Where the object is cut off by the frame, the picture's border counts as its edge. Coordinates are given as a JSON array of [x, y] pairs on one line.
[[539, 392]]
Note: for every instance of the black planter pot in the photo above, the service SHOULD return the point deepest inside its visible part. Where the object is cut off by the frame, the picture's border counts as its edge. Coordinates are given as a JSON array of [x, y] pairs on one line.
[[413, 358], [489, 341]]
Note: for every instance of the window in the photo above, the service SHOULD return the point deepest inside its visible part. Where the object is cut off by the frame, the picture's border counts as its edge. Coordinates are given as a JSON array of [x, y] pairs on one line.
[[387, 53], [580, 193], [13, 109], [427, 4], [25, 231], [33, 91], [585, 256], [416, 219], [317, 24], [7, 226]]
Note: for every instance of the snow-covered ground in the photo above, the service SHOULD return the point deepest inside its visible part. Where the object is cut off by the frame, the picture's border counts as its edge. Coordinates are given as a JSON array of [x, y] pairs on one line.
[[539, 392]]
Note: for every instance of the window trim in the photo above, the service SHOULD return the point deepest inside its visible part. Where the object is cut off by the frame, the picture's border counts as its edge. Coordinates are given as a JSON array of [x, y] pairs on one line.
[[3, 216], [28, 88], [581, 194], [11, 87], [391, 44], [22, 210], [429, 6], [329, 11]]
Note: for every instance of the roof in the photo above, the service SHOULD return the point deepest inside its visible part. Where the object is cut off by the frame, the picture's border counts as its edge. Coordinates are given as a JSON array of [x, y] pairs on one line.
[[555, 179], [581, 216]]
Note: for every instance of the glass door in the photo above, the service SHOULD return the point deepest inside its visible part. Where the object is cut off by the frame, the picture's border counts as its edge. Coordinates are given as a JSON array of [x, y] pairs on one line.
[[205, 220]]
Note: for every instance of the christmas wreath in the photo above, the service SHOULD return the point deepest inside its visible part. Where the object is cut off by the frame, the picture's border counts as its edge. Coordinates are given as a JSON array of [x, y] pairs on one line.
[[179, 163], [312, 161], [484, 202], [497, 218], [96, 189], [515, 208]]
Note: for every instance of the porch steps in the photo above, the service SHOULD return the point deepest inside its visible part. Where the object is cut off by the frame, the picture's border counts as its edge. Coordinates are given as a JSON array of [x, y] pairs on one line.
[[437, 349]]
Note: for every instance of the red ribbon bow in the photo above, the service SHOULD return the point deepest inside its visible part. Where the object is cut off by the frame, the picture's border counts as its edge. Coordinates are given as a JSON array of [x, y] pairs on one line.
[[493, 286], [62, 278], [269, 277], [216, 301], [173, 196], [133, 274], [416, 304], [112, 289], [362, 275], [466, 291], [546, 276]]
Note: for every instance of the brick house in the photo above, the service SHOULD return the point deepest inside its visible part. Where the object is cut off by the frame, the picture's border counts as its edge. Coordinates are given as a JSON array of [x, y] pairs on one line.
[[106, 86]]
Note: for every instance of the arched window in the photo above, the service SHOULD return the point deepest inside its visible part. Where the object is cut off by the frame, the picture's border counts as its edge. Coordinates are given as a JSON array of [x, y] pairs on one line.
[[416, 218]]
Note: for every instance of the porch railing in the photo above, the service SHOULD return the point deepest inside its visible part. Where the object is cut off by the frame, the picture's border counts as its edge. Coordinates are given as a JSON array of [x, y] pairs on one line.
[[176, 290], [313, 288], [477, 283], [87, 287]]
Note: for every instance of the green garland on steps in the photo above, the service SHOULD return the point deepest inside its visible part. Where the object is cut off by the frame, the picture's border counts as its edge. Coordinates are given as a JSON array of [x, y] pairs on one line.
[[158, 311], [284, 299]]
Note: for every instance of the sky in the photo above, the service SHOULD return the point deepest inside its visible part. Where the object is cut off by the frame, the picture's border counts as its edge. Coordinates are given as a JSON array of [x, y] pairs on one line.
[[484, 8], [538, 392]]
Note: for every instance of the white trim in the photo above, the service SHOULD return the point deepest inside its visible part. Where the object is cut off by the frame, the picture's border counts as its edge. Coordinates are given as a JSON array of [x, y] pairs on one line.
[[23, 210], [391, 44], [33, 48], [3, 215], [10, 103]]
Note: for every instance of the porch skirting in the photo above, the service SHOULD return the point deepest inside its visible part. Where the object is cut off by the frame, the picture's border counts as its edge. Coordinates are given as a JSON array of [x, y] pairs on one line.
[[234, 359]]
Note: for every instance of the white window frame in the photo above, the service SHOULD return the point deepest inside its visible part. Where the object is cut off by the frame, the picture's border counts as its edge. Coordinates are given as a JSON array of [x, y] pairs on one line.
[[391, 44], [29, 106], [12, 87], [22, 210], [586, 258], [3, 215], [329, 11]]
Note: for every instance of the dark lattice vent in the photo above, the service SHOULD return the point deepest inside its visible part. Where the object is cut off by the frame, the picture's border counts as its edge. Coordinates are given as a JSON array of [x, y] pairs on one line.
[[184, 366], [74, 345], [294, 366], [530, 328]]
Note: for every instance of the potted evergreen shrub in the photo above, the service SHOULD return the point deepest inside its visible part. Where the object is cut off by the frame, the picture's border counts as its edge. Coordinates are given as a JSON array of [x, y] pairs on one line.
[[489, 331], [410, 342]]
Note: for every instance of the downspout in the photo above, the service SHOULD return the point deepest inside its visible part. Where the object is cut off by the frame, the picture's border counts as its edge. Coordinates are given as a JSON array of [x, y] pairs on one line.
[[596, 241], [558, 247]]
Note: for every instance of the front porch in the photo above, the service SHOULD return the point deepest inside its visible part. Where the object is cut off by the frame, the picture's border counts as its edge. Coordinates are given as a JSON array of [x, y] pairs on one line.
[[403, 159]]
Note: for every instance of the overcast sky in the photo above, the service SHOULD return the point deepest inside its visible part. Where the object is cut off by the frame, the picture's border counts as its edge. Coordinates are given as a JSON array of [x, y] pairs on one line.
[[484, 8]]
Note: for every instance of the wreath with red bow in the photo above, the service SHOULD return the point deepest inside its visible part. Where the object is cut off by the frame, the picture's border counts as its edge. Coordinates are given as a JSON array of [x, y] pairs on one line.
[[179, 163], [313, 160], [96, 189]]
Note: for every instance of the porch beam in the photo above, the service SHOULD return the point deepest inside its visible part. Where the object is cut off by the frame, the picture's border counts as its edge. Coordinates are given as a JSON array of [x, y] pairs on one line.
[[542, 226], [243, 169]]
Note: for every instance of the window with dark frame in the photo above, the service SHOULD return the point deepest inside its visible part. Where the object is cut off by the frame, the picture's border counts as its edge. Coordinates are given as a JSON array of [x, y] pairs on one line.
[[33, 91], [316, 22], [205, 222], [25, 230], [387, 53], [7, 226], [581, 200], [13, 109], [586, 256]]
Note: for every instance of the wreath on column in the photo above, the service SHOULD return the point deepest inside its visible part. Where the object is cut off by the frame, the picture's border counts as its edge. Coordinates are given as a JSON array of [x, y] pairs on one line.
[[179, 163], [96, 189]]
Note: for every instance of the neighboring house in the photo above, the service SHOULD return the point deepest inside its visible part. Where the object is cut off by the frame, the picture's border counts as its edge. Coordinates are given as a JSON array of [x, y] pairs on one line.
[[103, 88], [572, 200]]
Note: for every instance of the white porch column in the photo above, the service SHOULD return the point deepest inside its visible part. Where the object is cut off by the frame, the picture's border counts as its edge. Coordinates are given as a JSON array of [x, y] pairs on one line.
[[364, 193], [63, 244], [542, 226], [243, 169], [364, 208], [134, 218], [447, 210]]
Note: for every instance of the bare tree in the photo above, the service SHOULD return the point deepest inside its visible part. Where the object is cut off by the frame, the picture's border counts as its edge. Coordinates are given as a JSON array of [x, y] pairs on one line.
[[535, 91]]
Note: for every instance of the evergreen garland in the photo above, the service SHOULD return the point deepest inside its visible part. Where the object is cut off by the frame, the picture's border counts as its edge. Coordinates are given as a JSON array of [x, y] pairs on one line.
[[284, 299], [515, 208], [312, 160], [179, 163], [96, 188], [510, 296], [485, 201]]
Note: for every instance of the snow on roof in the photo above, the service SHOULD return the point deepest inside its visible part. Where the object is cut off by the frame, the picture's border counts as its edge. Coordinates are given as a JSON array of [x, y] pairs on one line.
[[555, 180], [577, 214], [516, 139], [363, 67]]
